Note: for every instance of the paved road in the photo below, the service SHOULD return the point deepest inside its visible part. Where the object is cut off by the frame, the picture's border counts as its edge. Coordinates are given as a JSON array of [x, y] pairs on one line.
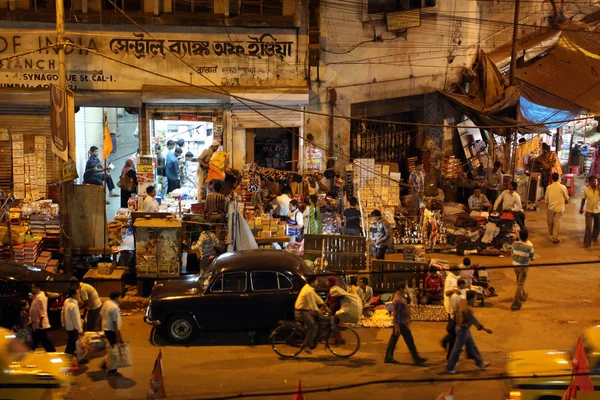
[[228, 364]]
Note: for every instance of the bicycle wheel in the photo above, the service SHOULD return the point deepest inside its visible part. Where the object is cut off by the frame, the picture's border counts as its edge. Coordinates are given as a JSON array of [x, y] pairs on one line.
[[344, 343], [287, 341]]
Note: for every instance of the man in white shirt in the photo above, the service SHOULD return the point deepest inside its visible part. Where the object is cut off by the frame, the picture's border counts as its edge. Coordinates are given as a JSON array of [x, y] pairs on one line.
[[150, 204], [282, 204], [455, 288], [556, 198], [71, 320], [90, 301], [591, 194], [111, 323], [306, 309], [511, 201], [38, 313]]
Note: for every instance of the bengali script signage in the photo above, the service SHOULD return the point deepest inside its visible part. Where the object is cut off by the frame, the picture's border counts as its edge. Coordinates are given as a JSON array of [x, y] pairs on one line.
[[232, 58]]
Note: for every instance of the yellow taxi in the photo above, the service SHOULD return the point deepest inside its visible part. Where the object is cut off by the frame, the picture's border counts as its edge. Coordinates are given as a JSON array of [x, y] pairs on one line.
[[26, 375], [546, 365]]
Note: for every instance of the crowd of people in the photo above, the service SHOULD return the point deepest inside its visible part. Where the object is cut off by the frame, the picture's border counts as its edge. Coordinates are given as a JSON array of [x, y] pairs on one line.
[[82, 302]]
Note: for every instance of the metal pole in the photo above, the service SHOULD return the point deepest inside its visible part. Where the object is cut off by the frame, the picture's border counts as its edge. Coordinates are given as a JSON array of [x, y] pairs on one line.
[[513, 53], [67, 187]]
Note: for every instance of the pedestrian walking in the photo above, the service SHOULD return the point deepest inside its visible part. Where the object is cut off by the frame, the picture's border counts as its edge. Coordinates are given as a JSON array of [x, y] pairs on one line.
[[556, 198], [38, 312], [591, 194], [90, 301], [454, 295], [522, 254], [111, 324], [71, 320], [464, 320], [402, 328]]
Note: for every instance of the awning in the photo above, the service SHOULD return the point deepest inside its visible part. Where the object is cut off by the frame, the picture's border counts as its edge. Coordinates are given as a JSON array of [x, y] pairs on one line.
[[570, 71], [538, 106]]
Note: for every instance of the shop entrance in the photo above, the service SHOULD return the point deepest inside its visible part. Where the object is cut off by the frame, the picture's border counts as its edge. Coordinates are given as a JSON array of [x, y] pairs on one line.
[[194, 130], [123, 125]]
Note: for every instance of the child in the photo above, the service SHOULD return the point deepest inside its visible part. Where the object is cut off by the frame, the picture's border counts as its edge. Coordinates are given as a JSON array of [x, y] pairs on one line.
[[295, 221]]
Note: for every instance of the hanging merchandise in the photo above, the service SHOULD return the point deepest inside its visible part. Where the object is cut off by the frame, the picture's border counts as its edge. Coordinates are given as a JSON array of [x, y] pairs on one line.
[[314, 159]]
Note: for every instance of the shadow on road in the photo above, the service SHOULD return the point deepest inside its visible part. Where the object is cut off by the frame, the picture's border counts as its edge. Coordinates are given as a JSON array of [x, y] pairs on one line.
[[335, 361], [204, 339]]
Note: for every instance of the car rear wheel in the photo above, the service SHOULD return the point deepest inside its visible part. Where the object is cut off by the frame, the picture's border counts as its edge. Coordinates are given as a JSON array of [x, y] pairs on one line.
[[181, 328]]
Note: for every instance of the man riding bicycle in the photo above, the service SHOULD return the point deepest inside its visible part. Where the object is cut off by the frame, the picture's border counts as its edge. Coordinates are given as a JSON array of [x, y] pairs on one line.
[[306, 311]]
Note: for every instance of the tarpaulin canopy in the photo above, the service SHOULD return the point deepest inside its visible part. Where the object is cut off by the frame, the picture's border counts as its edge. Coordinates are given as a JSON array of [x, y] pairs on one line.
[[539, 107], [569, 71], [491, 100]]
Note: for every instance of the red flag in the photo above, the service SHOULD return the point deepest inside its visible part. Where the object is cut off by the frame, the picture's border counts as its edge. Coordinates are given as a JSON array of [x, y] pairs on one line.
[[299, 395], [156, 390], [580, 368]]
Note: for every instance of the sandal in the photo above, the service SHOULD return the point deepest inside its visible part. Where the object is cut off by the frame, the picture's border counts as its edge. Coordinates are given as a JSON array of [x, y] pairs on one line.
[[114, 195]]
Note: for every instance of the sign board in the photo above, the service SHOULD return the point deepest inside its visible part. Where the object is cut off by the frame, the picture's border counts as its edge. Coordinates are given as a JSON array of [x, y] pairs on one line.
[[99, 61], [69, 171], [397, 21], [62, 106]]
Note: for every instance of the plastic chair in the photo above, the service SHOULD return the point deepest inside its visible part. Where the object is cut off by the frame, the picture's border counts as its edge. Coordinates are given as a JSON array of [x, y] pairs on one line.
[[569, 181]]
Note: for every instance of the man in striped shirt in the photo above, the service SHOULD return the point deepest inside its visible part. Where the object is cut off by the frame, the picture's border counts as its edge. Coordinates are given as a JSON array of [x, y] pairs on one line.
[[522, 254]]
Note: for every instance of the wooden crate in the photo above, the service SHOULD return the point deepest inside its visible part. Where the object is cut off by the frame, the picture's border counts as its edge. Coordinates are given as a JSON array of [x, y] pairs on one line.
[[343, 253], [386, 275]]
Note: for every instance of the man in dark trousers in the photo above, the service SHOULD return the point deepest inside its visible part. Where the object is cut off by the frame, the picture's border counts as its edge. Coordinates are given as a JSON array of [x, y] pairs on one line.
[[401, 327], [464, 320]]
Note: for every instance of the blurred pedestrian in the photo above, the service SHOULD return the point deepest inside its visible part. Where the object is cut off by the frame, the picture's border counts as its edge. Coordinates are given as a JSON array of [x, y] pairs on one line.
[[556, 198], [402, 328], [128, 181], [352, 219], [90, 301], [382, 236], [71, 320], [591, 194], [111, 324], [464, 320], [38, 312], [522, 254]]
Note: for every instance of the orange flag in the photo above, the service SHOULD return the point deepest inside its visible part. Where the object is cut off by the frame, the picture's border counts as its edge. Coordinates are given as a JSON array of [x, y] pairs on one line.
[[299, 395], [157, 391], [580, 368], [108, 145]]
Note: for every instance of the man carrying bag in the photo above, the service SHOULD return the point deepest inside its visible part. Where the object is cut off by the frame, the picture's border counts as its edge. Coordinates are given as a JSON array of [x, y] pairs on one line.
[[118, 353]]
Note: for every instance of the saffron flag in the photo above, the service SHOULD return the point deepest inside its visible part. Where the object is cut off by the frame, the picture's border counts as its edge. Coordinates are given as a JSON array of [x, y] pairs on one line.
[[157, 391], [580, 380], [447, 396], [299, 395], [108, 146]]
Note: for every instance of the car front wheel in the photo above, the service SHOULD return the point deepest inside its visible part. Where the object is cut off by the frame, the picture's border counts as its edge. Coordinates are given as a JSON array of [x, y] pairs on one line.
[[181, 328]]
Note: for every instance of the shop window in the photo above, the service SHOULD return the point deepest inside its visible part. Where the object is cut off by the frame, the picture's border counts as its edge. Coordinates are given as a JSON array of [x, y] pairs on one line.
[[264, 280], [384, 6], [261, 7], [125, 5], [276, 148], [193, 6]]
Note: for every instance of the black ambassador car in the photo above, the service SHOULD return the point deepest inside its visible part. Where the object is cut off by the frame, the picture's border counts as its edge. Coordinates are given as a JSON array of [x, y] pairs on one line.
[[15, 287], [246, 290]]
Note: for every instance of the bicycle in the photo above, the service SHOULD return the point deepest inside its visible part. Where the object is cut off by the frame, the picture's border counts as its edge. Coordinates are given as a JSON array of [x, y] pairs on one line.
[[288, 338]]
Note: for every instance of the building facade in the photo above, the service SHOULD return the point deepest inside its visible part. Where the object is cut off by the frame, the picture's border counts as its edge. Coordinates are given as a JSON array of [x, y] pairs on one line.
[[217, 61], [387, 60]]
